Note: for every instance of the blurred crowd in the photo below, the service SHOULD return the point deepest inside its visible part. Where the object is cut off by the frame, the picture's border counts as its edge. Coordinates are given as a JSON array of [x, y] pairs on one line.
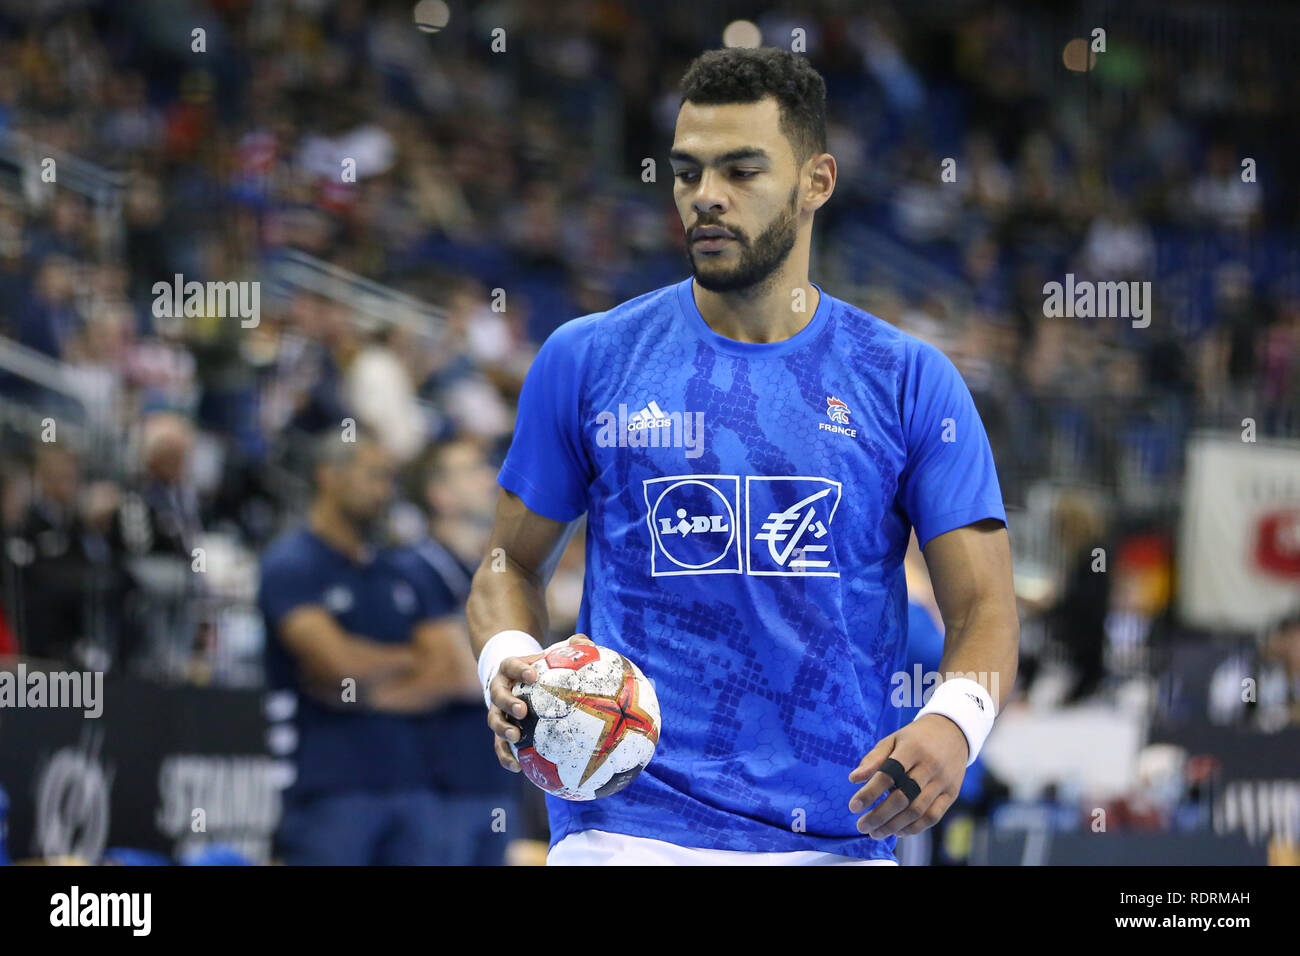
[[508, 190]]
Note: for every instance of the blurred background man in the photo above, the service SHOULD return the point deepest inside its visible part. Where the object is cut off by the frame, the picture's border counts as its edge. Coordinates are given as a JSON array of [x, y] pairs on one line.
[[365, 647]]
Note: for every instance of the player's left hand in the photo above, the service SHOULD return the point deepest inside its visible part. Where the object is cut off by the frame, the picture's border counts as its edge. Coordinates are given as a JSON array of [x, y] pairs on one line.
[[933, 752]]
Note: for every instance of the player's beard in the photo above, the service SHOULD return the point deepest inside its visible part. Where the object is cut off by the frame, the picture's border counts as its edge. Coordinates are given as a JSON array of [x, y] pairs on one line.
[[758, 259]]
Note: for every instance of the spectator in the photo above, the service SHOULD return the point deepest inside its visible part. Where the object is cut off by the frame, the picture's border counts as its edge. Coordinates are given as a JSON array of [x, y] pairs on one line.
[[1259, 686], [1282, 651], [50, 559], [161, 513], [154, 533], [51, 320], [1078, 620], [378, 386]]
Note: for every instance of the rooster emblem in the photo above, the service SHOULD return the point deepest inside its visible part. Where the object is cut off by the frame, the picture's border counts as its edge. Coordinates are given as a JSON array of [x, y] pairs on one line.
[[837, 410]]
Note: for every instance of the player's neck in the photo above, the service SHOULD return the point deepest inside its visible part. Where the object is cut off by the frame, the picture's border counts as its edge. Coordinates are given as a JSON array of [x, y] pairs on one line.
[[762, 314]]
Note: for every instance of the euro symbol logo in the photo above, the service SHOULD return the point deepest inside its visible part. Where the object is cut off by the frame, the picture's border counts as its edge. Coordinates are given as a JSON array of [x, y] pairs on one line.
[[781, 542]]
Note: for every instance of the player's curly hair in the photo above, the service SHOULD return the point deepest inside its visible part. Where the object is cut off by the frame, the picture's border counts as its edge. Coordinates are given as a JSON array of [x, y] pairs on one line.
[[747, 75]]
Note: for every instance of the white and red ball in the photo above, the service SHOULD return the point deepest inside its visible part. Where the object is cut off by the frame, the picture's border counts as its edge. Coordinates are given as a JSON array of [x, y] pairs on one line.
[[592, 723]]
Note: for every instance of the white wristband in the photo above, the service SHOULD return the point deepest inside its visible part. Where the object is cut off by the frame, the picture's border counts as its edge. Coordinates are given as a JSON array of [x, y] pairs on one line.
[[968, 705], [500, 646]]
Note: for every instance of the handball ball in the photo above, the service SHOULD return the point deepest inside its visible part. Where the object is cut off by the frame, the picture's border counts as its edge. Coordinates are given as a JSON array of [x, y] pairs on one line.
[[592, 722]]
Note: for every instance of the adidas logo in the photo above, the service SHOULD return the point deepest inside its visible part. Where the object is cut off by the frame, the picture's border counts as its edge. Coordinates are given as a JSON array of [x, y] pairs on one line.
[[652, 416], [651, 427], [978, 703]]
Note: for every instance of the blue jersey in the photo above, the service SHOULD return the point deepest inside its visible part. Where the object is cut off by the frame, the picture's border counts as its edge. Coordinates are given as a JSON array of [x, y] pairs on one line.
[[749, 507]]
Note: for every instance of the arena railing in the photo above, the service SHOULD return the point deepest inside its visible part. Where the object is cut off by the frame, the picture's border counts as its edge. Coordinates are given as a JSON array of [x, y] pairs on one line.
[[374, 304], [21, 165], [84, 408]]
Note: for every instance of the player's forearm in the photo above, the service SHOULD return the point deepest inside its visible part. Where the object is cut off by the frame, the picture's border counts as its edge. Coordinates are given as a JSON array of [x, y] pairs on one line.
[[985, 647], [511, 598]]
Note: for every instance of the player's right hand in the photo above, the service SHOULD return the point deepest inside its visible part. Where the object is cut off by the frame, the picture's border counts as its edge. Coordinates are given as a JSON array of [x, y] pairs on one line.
[[513, 670]]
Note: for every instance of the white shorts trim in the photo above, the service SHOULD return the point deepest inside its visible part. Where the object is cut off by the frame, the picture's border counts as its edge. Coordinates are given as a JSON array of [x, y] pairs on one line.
[[602, 848]]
